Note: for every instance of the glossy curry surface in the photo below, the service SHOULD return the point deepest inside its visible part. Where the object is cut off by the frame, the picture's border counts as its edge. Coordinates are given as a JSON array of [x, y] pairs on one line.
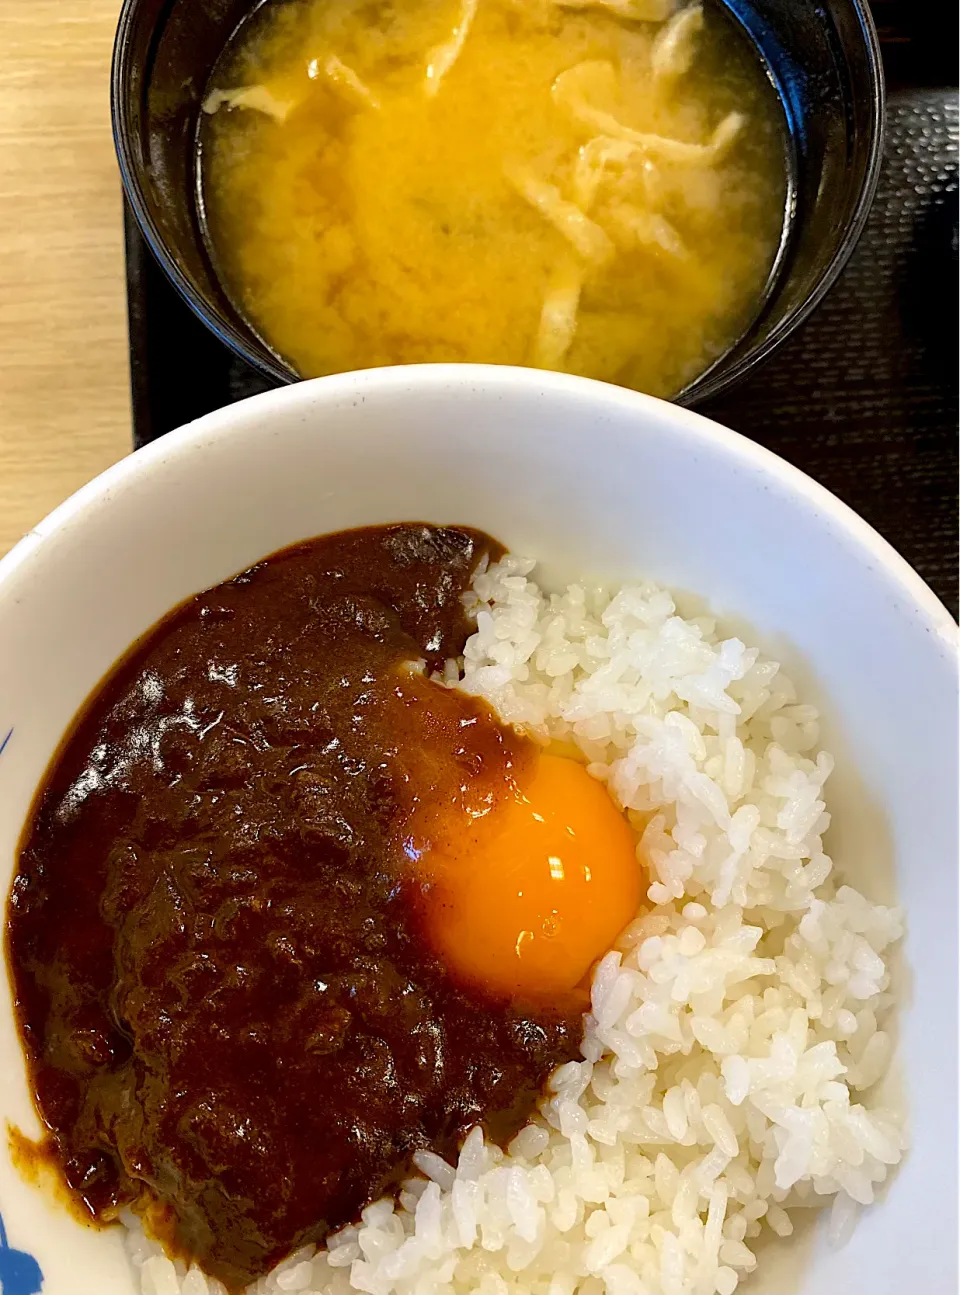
[[233, 1015]]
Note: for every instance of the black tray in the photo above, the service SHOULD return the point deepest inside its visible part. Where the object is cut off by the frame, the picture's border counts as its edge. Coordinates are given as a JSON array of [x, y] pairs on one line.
[[863, 397]]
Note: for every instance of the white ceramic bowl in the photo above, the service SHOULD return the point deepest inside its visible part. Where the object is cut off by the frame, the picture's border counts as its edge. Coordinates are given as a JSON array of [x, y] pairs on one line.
[[597, 481]]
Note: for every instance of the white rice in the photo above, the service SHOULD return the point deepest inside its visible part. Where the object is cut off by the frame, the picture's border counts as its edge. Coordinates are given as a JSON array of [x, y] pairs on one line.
[[736, 1032]]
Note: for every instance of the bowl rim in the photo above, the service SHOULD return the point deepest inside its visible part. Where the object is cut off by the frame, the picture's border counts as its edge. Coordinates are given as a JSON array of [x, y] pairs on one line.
[[499, 382], [123, 134], [706, 386], [714, 380]]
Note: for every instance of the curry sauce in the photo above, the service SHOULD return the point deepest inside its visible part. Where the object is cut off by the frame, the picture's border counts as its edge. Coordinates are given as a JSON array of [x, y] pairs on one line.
[[231, 1016]]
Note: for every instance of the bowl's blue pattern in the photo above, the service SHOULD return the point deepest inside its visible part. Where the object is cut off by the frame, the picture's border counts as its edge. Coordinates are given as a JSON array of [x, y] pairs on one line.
[[19, 1272]]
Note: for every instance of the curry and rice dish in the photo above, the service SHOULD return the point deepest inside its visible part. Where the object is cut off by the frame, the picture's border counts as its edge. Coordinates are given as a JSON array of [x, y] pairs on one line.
[[589, 185], [222, 920], [387, 924]]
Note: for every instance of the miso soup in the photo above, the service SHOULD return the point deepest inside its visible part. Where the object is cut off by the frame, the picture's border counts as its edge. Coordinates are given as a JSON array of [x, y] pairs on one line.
[[597, 186]]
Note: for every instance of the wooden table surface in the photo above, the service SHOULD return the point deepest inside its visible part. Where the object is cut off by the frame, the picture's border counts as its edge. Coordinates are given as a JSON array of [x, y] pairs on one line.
[[64, 380]]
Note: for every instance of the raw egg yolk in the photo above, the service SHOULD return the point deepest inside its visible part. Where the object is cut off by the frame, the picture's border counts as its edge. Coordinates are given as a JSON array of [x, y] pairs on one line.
[[524, 901]]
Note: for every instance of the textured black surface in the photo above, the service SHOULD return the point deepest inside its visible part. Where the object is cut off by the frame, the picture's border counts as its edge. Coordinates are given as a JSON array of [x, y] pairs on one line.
[[863, 397]]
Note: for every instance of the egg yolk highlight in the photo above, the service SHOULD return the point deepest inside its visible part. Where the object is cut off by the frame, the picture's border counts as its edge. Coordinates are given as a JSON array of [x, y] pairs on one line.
[[525, 899]]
